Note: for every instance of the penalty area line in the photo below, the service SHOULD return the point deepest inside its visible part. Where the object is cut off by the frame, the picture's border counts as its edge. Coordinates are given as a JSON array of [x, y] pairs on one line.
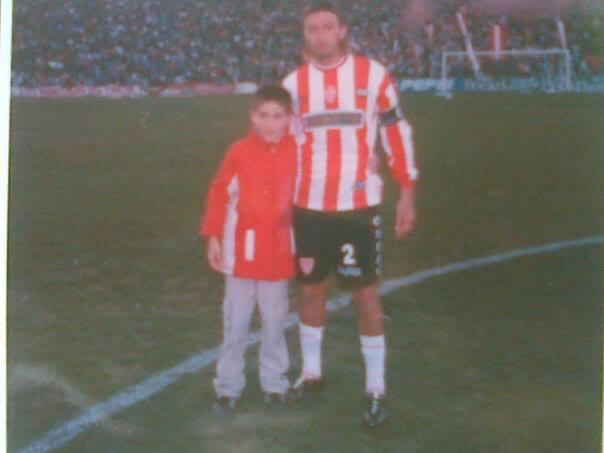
[[144, 390]]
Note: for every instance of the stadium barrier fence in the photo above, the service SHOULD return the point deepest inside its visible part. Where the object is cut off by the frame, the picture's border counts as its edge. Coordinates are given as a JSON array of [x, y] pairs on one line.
[[520, 84]]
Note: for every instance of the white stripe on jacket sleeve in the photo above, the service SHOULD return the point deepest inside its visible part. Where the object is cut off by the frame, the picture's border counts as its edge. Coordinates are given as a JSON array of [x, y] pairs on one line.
[[230, 228], [250, 245]]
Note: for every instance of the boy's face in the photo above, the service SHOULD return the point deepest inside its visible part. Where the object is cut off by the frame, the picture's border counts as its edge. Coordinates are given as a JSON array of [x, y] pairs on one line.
[[323, 34], [270, 121]]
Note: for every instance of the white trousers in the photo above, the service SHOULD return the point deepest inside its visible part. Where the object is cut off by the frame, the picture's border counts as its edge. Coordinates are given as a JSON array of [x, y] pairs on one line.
[[240, 299]]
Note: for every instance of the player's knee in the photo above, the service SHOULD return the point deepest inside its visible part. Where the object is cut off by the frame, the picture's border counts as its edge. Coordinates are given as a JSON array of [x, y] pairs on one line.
[[315, 293], [367, 295], [368, 305]]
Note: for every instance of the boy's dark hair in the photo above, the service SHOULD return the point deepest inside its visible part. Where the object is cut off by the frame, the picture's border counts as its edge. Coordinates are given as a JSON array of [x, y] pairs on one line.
[[273, 93], [323, 5]]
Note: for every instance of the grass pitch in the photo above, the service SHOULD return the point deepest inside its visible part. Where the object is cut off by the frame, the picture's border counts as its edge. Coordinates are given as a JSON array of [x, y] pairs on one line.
[[108, 285]]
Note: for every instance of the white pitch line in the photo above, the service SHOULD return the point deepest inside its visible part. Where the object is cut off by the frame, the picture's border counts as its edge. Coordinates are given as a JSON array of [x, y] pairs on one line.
[[153, 385]]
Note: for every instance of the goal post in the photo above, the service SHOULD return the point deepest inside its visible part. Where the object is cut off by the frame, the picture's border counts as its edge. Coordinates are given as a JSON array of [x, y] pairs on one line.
[[548, 70]]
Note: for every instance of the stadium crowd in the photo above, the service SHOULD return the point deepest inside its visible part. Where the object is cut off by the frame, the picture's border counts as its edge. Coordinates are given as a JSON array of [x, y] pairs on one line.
[[157, 43]]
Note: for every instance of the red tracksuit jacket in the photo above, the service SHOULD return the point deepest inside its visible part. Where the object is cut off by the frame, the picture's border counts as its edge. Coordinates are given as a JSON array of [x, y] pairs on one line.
[[249, 207]]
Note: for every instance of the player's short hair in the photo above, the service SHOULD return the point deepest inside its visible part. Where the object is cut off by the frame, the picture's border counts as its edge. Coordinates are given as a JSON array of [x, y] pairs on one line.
[[273, 93], [320, 6]]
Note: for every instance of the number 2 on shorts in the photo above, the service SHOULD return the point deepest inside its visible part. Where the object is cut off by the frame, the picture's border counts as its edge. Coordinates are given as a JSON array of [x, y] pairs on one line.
[[349, 258]]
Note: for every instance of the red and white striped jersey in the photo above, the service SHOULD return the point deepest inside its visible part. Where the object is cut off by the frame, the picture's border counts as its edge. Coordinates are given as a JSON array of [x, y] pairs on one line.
[[337, 115]]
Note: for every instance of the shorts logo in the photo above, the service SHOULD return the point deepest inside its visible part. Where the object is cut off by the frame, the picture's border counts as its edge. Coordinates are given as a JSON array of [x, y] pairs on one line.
[[307, 265], [350, 271]]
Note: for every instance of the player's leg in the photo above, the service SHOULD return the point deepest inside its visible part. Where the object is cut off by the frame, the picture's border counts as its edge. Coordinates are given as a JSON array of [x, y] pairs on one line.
[[238, 309], [312, 263], [370, 314], [313, 298], [273, 356], [371, 329], [359, 269], [313, 301]]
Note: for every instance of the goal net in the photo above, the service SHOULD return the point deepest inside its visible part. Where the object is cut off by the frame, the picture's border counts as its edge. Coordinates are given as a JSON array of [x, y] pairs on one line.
[[547, 70]]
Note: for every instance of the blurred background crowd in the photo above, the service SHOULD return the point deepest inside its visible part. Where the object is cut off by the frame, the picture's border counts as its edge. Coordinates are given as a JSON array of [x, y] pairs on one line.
[[157, 42]]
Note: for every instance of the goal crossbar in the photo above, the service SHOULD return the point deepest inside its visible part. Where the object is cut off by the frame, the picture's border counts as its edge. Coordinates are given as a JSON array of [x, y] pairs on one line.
[[566, 71], [511, 52]]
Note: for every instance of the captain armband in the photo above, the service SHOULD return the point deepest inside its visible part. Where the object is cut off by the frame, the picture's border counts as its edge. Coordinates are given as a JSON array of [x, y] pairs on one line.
[[391, 116]]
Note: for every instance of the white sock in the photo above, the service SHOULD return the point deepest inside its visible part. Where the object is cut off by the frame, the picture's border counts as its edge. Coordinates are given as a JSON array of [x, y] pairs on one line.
[[374, 352], [310, 343]]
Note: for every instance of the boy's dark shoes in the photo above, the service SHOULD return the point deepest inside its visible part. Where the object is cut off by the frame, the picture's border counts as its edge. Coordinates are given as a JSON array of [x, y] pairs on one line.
[[224, 407], [275, 403]]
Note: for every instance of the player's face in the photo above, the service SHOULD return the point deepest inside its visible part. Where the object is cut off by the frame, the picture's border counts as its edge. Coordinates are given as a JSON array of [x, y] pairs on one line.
[[270, 120], [323, 34]]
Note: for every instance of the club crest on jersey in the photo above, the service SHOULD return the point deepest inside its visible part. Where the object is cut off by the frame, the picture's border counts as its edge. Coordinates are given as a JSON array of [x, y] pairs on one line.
[[331, 94], [307, 265], [362, 92]]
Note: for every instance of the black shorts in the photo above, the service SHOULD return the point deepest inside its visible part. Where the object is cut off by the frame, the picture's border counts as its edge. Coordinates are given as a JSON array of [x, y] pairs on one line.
[[348, 243]]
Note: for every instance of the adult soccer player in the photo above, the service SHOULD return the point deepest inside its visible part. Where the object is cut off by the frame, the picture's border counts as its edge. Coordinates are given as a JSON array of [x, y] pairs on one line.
[[341, 101]]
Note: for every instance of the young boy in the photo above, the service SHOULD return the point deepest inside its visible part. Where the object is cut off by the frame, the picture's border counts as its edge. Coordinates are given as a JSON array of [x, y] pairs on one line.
[[248, 226]]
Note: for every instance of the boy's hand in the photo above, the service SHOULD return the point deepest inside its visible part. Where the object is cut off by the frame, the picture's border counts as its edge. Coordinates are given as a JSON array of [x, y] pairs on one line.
[[215, 253]]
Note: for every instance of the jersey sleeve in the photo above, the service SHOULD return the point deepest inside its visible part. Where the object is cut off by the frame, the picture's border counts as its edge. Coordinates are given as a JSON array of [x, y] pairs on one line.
[[396, 135], [212, 221]]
